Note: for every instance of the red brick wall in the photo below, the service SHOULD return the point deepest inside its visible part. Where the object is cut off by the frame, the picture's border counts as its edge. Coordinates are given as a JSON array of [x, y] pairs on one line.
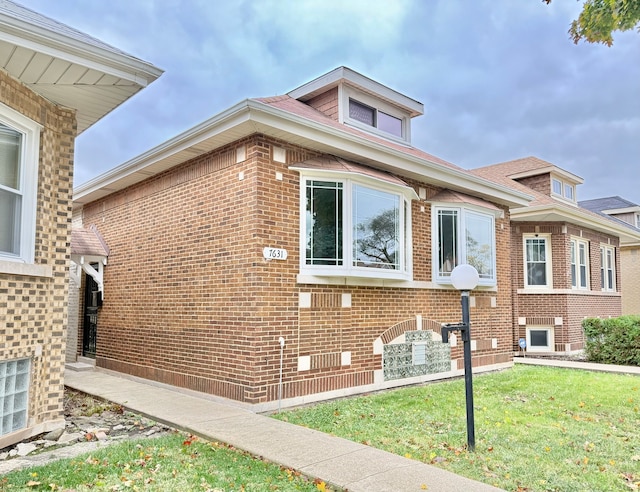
[[190, 301], [571, 305], [540, 183]]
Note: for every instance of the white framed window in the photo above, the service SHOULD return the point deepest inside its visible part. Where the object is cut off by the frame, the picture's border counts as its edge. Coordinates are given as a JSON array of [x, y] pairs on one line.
[[638, 221], [14, 395], [579, 260], [355, 226], [608, 268], [537, 261], [563, 189], [540, 339], [375, 115], [462, 235], [19, 151]]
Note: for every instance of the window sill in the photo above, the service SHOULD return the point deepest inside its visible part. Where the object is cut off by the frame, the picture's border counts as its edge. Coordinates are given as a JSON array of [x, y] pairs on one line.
[[576, 292], [25, 269], [379, 282]]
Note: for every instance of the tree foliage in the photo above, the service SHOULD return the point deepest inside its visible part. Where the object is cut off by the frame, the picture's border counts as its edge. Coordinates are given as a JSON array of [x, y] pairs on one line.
[[599, 19]]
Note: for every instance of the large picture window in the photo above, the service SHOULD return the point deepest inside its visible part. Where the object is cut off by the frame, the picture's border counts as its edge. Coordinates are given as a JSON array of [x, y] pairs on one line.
[[19, 142], [354, 228], [464, 236], [537, 261]]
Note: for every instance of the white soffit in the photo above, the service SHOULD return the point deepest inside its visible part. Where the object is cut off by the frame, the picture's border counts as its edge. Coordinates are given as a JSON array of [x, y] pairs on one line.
[[68, 67], [574, 215], [251, 116]]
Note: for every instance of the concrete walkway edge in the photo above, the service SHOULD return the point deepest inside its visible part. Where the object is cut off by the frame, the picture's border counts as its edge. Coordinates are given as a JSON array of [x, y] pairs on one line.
[[339, 462]]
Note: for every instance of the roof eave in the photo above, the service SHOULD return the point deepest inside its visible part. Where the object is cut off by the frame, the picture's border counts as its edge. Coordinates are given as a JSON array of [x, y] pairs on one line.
[[554, 213], [251, 116], [74, 50]]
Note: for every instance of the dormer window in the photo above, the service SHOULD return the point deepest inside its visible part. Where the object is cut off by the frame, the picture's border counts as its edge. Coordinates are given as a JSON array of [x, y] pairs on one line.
[[568, 192], [375, 115], [563, 189], [375, 118]]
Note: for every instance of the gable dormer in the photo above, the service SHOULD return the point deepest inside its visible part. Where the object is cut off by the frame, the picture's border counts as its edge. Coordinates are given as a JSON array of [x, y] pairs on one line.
[[549, 179], [355, 100]]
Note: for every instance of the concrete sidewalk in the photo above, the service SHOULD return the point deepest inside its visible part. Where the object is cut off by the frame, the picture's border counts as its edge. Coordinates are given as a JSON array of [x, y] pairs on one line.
[[337, 461], [585, 366]]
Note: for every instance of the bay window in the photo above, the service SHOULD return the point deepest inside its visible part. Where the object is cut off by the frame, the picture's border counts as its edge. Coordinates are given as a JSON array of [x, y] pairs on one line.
[[355, 226], [462, 236]]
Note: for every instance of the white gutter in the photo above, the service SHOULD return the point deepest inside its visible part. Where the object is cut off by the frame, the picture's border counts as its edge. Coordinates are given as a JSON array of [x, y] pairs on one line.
[[97, 56], [256, 114], [577, 216]]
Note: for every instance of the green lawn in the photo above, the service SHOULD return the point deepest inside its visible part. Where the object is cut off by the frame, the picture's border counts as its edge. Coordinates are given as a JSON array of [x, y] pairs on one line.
[[537, 428], [177, 463]]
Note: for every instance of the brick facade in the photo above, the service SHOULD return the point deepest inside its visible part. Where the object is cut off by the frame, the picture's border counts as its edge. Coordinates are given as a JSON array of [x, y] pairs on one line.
[[561, 308], [34, 308], [190, 301]]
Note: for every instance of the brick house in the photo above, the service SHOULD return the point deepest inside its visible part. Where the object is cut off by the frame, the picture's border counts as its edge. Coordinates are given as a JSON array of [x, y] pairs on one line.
[[565, 258], [55, 82], [628, 214], [306, 219]]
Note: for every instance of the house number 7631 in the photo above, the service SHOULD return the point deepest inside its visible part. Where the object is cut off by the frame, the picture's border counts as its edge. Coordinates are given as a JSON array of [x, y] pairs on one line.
[[274, 253]]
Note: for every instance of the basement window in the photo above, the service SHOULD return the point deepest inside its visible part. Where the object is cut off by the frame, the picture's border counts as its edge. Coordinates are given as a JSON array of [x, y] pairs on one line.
[[14, 395]]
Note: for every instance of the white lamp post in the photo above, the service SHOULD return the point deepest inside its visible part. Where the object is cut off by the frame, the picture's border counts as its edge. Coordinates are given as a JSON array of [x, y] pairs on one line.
[[465, 278]]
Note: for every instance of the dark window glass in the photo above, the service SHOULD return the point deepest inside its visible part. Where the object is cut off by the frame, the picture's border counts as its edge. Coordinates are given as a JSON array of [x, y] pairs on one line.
[[324, 223], [539, 338]]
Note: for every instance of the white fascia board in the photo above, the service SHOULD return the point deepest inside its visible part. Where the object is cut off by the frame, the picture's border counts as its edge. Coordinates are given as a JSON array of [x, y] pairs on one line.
[[397, 161], [75, 51], [558, 172], [344, 74], [577, 217], [626, 210], [226, 120], [261, 117]]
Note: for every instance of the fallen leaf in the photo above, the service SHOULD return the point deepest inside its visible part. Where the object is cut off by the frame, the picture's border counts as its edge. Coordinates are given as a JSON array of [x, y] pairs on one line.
[[33, 483]]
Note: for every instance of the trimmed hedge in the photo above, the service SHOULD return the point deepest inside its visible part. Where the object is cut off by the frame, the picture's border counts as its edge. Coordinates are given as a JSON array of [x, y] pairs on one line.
[[613, 340]]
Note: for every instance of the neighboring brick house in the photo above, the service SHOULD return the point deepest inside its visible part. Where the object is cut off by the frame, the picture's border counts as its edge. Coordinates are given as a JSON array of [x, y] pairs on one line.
[[55, 82], [565, 259], [627, 213], [307, 218]]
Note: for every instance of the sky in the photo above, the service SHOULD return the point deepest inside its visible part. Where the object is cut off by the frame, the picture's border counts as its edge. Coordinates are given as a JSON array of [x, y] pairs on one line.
[[499, 79]]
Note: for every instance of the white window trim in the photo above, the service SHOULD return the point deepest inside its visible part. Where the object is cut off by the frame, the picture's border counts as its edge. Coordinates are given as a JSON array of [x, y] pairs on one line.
[[603, 270], [348, 92], [575, 243], [550, 339], [30, 153], [548, 266], [563, 185], [461, 243], [405, 195]]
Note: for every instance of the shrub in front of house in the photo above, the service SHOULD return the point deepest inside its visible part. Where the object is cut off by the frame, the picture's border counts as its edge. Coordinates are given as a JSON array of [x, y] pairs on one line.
[[613, 340]]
